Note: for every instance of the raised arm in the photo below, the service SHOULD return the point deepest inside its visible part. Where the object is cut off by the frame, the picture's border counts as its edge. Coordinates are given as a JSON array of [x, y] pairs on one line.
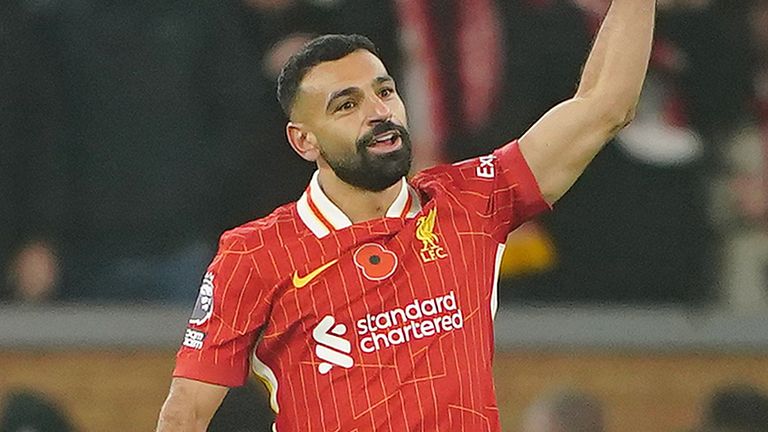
[[190, 406], [561, 144]]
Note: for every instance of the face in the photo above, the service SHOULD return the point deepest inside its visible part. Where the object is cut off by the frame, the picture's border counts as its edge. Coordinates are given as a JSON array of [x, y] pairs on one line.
[[349, 118]]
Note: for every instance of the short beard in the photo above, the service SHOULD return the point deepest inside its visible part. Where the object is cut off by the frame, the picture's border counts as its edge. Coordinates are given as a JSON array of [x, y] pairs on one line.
[[374, 172]]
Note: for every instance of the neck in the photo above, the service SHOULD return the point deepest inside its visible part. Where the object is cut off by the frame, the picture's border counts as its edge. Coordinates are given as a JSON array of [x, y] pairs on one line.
[[359, 205]]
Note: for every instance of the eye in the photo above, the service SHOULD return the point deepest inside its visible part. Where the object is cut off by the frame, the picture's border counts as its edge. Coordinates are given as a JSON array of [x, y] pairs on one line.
[[346, 106], [386, 92]]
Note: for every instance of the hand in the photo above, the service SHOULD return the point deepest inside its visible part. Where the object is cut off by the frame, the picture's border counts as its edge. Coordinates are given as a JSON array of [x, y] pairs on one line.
[[35, 272]]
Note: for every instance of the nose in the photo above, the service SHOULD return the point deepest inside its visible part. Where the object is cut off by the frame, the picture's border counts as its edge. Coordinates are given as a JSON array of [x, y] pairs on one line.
[[378, 111]]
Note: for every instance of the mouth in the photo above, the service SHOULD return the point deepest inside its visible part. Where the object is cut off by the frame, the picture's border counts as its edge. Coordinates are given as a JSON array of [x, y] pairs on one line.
[[386, 142]]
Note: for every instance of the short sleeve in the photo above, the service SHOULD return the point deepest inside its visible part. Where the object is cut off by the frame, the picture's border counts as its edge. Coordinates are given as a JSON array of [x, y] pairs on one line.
[[500, 188], [230, 309]]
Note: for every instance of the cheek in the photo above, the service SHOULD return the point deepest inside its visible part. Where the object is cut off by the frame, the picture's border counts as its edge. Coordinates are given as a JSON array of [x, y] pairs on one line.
[[400, 112], [337, 141]]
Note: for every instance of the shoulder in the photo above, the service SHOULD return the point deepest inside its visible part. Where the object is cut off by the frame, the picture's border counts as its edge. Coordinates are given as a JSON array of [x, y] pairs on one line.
[[459, 175], [249, 256], [264, 234], [480, 170], [433, 176]]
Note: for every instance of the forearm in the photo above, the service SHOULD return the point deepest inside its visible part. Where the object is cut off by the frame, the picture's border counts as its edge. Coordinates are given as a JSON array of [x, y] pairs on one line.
[[190, 406], [174, 419], [618, 62], [561, 144]]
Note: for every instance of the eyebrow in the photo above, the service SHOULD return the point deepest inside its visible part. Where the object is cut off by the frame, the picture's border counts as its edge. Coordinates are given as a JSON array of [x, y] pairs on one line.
[[351, 90], [383, 79]]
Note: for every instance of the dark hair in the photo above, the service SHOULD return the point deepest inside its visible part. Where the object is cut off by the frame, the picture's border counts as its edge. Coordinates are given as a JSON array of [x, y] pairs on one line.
[[320, 49]]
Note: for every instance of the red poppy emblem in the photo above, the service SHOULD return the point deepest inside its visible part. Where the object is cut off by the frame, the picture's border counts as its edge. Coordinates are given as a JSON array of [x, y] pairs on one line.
[[376, 262]]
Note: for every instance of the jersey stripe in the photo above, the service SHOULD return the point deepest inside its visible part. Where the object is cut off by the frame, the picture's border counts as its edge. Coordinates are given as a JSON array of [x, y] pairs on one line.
[[317, 213]]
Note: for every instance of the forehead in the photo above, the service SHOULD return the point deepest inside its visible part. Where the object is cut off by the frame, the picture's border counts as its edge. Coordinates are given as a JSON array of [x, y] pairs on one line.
[[358, 69]]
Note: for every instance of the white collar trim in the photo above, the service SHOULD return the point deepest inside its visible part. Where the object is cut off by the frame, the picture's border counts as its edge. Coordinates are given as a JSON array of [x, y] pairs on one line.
[[326, 216]]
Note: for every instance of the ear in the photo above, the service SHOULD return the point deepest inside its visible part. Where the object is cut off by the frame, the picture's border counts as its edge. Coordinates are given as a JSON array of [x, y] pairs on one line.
[[302, 142]]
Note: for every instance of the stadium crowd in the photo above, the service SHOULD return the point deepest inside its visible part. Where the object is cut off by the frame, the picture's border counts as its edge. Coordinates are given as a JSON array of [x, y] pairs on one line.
[[132, 133]]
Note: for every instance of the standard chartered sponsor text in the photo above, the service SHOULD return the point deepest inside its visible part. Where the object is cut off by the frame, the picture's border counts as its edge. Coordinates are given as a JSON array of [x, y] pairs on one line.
[[417, 320]]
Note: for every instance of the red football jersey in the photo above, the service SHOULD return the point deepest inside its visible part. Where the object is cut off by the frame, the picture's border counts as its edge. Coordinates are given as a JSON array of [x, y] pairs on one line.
[[384, 325]]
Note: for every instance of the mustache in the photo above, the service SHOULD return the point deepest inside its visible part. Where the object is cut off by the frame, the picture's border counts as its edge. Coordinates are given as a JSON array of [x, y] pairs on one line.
[[380, 128]]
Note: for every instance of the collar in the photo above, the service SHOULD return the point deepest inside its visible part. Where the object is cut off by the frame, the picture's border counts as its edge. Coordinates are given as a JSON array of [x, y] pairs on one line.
[[322, 216]]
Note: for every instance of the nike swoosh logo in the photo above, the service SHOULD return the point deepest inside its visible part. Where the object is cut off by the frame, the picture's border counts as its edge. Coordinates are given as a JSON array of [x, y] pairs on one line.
[[300, 282]]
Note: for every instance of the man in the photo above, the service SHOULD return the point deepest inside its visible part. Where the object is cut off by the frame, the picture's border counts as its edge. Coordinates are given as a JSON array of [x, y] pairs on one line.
[[368, 304]]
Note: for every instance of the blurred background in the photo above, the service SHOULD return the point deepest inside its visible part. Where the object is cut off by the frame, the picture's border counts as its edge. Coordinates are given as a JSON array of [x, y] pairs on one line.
[[133, 132]]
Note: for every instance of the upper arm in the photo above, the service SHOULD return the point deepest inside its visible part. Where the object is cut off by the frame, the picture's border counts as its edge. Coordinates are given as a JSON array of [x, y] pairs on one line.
[[215, 354], [561, 144], [190, 405], [232, 307]]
